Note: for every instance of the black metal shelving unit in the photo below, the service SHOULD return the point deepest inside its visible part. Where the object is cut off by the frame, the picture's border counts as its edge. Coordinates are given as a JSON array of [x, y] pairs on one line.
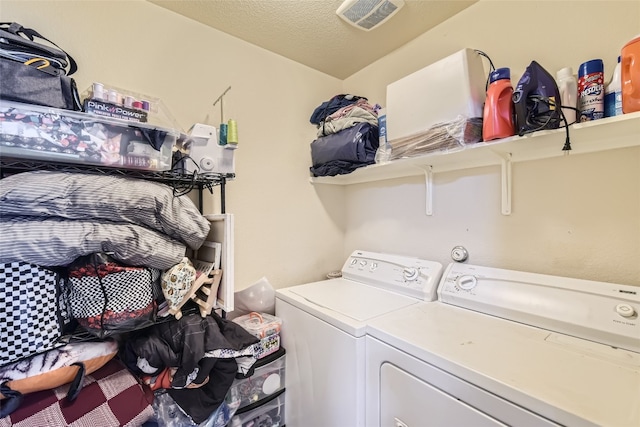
[[181, 182], [14, 161]]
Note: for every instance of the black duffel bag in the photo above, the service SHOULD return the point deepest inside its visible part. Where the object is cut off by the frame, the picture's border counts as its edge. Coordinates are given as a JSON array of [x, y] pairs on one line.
[[34, 73]]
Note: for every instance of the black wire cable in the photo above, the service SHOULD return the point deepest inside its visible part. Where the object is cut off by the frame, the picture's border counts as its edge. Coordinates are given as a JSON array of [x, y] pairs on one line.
[[550, 115], [567, 141], [105, 297], [493, 68], [180, 188]]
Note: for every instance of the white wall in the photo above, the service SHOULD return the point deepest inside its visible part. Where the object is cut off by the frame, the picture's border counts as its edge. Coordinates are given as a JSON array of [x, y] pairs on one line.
[[282, 230], [577, 215]]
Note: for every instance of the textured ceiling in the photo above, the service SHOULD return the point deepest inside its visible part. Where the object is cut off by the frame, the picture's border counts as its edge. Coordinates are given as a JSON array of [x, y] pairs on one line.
[[310, 32]]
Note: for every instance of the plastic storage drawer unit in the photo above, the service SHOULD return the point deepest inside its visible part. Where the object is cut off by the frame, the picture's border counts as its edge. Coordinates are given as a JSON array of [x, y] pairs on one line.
[[266, 380], [269, 414]]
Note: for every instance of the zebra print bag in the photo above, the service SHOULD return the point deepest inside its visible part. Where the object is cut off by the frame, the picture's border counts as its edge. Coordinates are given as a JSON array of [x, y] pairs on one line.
[[32, 313]]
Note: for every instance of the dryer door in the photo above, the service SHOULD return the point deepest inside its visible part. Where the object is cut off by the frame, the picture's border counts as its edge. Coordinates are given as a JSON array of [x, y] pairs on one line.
[[399, 406], [403, 390]]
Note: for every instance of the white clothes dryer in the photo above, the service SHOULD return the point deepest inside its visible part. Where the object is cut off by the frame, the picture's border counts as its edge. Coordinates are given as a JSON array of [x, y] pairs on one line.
[[512, 348], [323, 331]]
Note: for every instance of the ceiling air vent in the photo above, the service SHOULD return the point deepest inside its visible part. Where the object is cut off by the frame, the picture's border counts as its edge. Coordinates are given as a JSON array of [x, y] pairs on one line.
[[368, 14]]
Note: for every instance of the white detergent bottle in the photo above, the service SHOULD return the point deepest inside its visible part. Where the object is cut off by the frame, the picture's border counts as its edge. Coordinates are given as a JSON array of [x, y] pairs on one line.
[[568, 87], [613, 94]]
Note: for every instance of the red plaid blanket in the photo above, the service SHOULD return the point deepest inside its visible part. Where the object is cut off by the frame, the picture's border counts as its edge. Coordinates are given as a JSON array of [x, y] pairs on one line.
[[110, 397]]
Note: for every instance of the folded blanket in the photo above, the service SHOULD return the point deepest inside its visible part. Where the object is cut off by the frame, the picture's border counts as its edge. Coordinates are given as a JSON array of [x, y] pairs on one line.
[[58, 242], [78, 196], [357, 144]]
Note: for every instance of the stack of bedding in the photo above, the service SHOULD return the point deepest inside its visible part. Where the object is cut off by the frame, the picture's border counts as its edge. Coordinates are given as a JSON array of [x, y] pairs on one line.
[[89, 250], [347, 135]]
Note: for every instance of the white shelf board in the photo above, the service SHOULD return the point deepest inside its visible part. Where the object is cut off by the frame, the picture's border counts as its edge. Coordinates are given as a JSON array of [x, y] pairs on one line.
[[589, 137]]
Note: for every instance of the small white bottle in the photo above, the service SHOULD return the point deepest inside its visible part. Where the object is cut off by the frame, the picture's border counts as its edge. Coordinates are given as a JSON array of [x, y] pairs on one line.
[[613, 93], [568, 87]]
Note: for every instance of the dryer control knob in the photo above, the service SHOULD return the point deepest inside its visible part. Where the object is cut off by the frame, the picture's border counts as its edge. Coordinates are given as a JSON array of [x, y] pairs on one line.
[[466, 282], [625, 310], [459, 254], [410, 273]]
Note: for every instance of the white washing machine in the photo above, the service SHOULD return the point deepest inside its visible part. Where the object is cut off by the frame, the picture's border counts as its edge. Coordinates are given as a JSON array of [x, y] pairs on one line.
[[512, 348], [323, 331]]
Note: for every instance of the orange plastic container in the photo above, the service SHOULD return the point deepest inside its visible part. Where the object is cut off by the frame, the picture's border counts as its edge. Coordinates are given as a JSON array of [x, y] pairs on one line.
[[630, 73], [497, 119]]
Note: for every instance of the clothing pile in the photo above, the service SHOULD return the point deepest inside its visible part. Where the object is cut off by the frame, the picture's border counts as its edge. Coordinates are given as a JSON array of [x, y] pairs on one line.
[[347, 136], [81, 261], [195, 359]]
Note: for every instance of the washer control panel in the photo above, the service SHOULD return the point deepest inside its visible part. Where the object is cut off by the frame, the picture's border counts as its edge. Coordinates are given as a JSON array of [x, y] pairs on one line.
[[408, 276], [603, 312]]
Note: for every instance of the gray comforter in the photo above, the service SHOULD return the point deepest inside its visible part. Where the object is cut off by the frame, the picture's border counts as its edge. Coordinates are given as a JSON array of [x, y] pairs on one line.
[[51, 218]]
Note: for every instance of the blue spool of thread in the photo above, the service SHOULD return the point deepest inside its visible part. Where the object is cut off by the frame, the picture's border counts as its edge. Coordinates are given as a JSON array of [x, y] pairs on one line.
[[223, 134]]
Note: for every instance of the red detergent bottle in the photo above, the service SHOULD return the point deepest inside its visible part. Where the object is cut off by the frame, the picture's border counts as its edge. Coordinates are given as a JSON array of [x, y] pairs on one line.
[[497, 120], [630, 71]]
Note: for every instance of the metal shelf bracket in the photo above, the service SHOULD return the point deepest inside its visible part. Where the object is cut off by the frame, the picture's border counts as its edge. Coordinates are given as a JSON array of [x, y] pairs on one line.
[[506, 181], [428, 188], [505, 178]]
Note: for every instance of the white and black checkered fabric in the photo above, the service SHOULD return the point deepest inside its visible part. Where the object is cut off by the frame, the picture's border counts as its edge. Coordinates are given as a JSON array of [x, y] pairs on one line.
[[29, 320], [128, 290], [63, 302]]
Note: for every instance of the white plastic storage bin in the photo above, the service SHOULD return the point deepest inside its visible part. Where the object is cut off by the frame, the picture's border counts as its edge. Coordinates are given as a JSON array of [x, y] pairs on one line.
[[269, 414], [451, 87], [266, 379]]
